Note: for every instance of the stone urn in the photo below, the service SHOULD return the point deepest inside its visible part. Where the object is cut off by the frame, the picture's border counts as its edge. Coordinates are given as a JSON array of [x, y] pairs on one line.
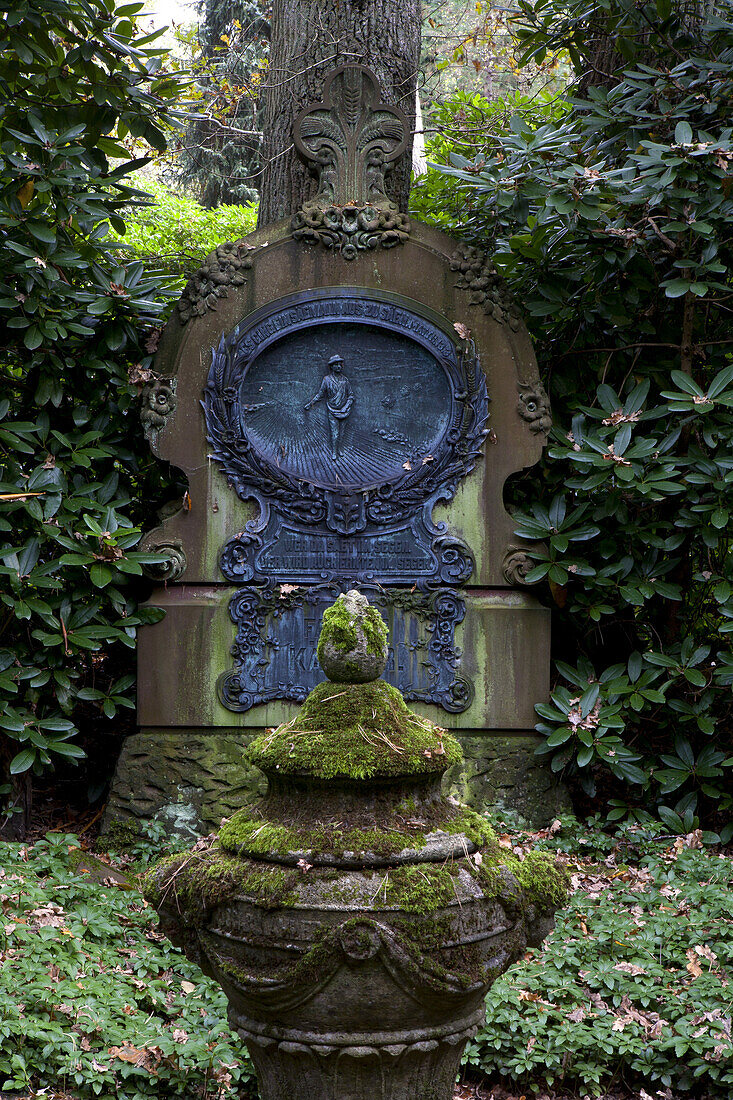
[[355, 918]]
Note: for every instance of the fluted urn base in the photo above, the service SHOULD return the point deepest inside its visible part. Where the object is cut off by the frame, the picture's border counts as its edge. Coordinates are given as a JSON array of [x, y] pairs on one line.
[[407, 1065]]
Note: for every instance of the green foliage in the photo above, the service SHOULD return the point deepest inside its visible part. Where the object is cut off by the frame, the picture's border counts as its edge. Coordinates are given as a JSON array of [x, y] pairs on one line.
[[632, 982], [613, 223], [78, 82], [95, 1000], [218, 156], [174, 234]]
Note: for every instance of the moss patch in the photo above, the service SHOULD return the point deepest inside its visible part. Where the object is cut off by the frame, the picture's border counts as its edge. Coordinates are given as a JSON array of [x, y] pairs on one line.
[[194, 883], [355, 731], [121, 836], [419, 887], [474, 827], [255, 836], [338, 628]]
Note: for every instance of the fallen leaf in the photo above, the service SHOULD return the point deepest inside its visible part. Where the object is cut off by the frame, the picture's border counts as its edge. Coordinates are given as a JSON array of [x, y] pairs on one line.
[[630, 968], [693, 966]]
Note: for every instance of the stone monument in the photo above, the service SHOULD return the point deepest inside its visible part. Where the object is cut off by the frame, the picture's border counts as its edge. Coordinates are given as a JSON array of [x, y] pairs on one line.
[[355, 918], [347, 392]]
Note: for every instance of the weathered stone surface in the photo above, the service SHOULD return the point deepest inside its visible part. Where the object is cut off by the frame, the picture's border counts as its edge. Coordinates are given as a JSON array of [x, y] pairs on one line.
[[501, 772], [353, 642], [229, 654], [192, 781], [188, 779]]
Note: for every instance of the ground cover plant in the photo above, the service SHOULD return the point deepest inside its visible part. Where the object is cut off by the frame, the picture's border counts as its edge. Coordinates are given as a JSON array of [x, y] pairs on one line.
[[611, 216], [634, 984], [95, 1001], [96, 254], [631, 989]]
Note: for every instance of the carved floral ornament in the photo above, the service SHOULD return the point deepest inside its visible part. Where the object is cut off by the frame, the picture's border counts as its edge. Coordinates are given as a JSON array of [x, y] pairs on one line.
[[158, 402], [534, 406], [477, 274], [222, 268], [350, 139]]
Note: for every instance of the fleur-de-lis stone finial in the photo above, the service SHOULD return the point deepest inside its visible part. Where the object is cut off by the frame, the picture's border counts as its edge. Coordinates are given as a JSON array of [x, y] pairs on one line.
[[351, 139]]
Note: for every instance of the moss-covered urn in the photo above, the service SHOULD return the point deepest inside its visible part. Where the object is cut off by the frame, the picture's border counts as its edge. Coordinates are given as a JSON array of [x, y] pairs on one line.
[[355, 918]]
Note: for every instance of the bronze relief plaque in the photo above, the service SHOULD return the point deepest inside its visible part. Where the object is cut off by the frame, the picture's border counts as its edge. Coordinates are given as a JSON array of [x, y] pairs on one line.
[[346, 415]]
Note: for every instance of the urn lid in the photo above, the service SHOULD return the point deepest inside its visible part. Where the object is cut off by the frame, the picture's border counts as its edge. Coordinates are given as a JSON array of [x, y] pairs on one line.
[[354, 726]]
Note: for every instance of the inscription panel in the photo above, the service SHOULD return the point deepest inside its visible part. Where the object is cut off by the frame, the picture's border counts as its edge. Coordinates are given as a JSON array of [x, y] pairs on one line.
[[277, 634]]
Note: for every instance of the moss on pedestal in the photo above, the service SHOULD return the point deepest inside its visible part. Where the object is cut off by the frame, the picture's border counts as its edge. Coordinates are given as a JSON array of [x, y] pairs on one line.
[[256, 836], [191, 884], [251, 834], [355, 731]]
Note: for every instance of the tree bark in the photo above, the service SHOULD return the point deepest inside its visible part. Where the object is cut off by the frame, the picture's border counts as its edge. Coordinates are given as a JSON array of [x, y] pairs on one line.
[[311, 37], [602, 60]]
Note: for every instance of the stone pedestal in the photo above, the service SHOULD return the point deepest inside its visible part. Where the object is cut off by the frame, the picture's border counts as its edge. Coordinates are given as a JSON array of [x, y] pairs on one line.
[[355, 917]]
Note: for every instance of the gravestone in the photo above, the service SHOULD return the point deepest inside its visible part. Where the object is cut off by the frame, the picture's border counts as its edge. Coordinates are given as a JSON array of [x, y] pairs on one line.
[[347, 392]]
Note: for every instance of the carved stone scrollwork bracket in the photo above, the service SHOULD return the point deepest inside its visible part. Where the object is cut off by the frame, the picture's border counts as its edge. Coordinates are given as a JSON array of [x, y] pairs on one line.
[[350, 139], [171, 569], [222, 268], [158, 402], [534, 406], [516, 565]]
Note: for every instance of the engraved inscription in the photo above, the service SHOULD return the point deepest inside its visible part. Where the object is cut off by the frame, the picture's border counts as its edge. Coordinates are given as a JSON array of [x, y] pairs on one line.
[[305, 554]]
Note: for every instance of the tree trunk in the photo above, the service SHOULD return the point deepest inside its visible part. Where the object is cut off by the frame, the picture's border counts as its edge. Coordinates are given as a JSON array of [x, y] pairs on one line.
[[602, 60], [311, 37]]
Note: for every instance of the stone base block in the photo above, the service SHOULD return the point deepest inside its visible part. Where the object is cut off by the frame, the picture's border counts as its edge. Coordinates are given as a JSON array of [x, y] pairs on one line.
[[188, 779], [501, 772], [191, 779]]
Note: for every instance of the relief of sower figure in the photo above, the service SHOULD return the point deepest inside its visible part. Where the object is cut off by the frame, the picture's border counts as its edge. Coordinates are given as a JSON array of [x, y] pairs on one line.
[[339, 397]]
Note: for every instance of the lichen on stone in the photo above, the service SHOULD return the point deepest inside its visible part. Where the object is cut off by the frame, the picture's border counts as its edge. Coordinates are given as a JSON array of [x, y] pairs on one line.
[[355, 731]]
